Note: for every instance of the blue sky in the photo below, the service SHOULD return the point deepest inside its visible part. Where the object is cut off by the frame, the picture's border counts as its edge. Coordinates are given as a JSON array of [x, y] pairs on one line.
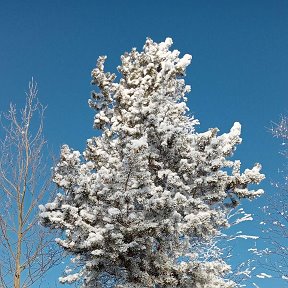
[[238, 73]]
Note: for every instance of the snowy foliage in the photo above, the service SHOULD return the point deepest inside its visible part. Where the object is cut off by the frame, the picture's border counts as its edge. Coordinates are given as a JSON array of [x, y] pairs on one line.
[[135, 199]]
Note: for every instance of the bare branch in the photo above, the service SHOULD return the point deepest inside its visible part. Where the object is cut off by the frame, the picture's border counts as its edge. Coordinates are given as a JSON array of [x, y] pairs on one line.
[[28, 249]]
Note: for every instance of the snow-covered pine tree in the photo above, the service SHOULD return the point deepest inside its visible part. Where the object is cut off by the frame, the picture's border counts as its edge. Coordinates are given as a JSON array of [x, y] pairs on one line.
[[139, 194]]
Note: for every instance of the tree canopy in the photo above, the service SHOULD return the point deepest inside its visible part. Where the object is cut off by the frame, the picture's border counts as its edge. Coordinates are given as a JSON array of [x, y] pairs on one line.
[[134, 202]]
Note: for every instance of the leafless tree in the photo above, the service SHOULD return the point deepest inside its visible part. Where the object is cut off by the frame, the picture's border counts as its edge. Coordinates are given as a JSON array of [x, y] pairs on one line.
[[275, 223], [280, 130], [26, 249]]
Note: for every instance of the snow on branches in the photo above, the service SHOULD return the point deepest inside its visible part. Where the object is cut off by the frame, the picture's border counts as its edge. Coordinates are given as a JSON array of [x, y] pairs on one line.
[[138, 194]]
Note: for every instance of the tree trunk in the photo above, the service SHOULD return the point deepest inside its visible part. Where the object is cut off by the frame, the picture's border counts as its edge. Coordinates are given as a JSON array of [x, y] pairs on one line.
[[17, 273]]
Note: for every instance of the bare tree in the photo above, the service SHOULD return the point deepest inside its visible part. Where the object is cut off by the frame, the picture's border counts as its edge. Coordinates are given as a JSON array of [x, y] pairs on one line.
[[26, 249], [280, 130], [274, 258]]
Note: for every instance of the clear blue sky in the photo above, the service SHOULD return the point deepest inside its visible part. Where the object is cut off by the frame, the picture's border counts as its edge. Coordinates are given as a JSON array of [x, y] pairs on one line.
[[238, 73]]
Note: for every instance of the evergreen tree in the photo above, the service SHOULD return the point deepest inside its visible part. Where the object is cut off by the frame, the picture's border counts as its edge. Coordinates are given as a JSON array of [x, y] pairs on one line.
[[150, 186]]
